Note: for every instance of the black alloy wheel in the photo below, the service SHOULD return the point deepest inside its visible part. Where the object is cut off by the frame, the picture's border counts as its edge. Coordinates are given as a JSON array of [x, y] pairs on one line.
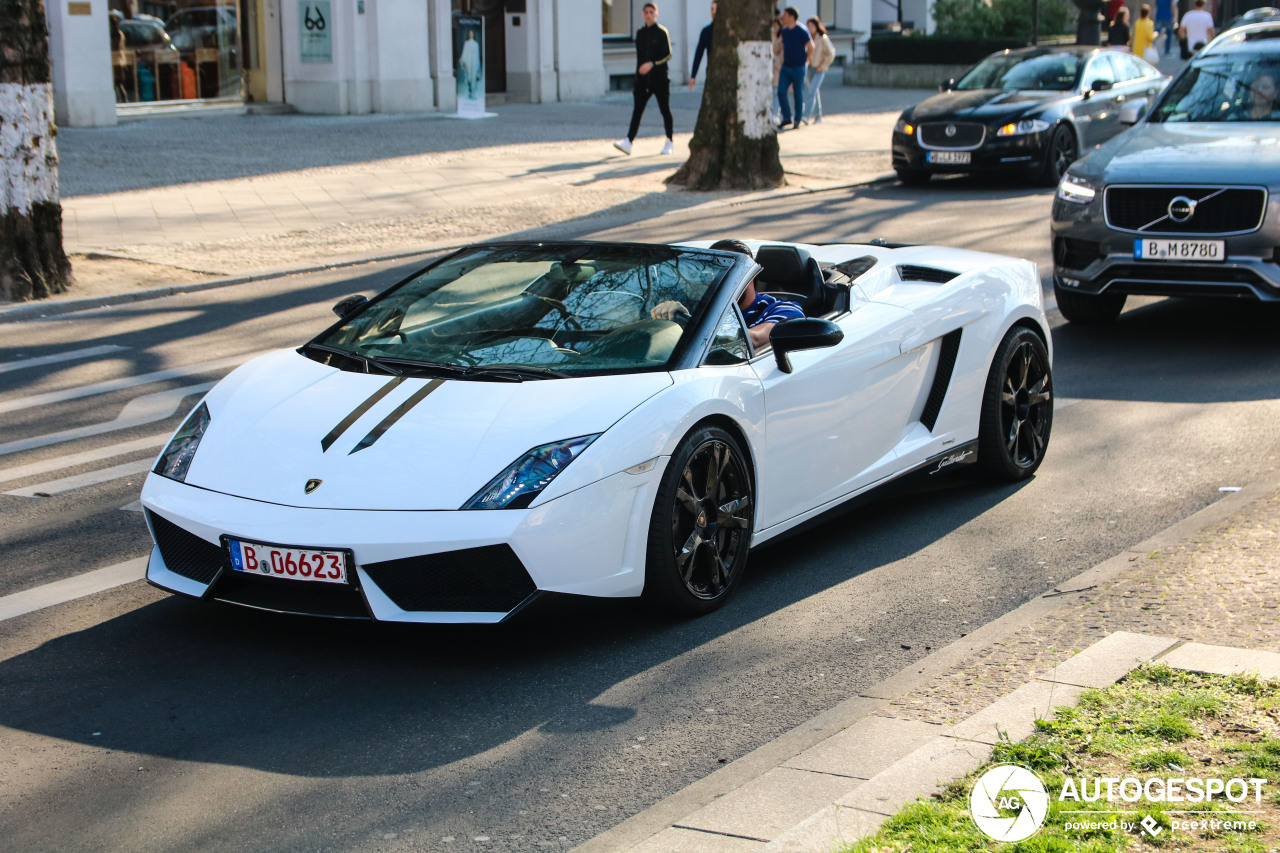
[[1062, 153], [1017, 408], [700, 530], [1088, 308]]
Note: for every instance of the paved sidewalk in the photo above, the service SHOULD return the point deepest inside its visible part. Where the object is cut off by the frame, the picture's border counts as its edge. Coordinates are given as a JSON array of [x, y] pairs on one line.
[[174, 200], [1198, 596]]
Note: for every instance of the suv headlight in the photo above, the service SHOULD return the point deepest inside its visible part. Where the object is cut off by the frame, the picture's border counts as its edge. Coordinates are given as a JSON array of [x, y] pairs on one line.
[[903, 126], [176, 458], [524, 479], [1075, 189], [1024, 126]]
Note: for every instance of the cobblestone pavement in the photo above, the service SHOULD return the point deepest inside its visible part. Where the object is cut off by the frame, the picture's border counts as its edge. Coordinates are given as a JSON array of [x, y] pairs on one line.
[[1217, 588]]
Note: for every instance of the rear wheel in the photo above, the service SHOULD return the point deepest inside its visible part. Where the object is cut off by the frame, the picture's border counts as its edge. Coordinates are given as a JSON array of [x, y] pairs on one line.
[[914, 177], [1017, 408], [1088, 308], [1061, 154], [701, 525]]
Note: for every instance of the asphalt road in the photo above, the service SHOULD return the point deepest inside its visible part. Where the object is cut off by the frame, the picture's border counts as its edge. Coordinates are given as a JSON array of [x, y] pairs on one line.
[[135, 720]]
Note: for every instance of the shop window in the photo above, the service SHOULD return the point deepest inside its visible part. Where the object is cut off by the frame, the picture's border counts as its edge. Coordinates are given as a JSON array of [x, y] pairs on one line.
[[175, 51], [827, 12], [617, 17]]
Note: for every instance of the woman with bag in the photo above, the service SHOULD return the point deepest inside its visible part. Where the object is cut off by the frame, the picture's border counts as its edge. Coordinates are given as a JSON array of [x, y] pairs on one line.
[[1144, 36], [820, 59]]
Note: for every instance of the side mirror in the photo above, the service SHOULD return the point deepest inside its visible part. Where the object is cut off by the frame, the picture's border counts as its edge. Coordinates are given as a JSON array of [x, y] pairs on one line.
[[948, 85], [1131, 112], [345, 307], [1098, 86], [801, 334]]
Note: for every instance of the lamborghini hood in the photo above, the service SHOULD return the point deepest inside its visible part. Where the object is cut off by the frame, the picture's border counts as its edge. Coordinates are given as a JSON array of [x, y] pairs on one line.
[[283, 421]]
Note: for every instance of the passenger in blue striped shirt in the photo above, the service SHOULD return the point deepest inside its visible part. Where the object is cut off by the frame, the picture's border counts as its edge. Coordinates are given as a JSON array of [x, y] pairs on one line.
[[761, 311]]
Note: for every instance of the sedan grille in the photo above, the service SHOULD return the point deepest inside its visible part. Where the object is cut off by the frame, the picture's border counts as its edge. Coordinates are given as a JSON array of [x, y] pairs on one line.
[[962, 135], [478, 580], [185, 553], [1202, 210]]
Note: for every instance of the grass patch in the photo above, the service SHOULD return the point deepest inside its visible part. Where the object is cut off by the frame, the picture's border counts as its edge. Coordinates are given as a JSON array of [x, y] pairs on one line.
[[1157, 723]]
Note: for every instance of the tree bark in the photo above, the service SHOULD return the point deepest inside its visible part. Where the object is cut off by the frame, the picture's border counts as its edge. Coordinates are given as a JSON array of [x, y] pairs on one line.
[[33, 264], [735, 144]]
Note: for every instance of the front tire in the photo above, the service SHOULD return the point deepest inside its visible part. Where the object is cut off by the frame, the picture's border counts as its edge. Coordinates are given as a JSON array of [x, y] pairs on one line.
[[1088, 308], [1017, 408], [700, 530], [1061, 154]]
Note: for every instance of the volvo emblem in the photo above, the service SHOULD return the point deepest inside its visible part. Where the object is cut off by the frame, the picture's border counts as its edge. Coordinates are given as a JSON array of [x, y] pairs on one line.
[[1181, 209], [312, 485], [950, 131]]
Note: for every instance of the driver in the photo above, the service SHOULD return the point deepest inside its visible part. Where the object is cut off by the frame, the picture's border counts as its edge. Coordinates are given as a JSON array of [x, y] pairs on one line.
[[761, 311]]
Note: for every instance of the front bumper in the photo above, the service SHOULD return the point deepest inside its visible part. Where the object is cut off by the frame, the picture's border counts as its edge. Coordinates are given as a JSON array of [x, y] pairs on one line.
[[1090, 257], [477, 566], [1025, 153]]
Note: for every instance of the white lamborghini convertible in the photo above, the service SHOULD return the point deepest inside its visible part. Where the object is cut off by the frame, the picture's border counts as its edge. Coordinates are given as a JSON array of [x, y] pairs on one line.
[[514, 420]]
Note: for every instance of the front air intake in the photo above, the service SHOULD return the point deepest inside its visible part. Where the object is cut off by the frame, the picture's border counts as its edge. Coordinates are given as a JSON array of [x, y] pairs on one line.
[[474, 580], [185, 553]]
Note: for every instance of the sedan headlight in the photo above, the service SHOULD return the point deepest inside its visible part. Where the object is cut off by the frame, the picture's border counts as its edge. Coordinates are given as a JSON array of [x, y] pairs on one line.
[[524, 479], [1025, 126], [1075, 189], [903, 126], [176, 458]]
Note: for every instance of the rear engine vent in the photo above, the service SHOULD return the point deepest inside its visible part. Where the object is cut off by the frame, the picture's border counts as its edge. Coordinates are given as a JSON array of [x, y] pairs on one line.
[[185, 553], [911, 272], [480, 580]]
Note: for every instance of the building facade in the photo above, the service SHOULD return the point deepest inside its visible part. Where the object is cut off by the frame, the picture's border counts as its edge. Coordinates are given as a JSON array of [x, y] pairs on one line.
[[115, 57]]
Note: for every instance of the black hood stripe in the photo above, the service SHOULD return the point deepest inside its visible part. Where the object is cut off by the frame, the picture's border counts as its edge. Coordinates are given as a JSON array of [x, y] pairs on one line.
[[358, 413], [401, 410]]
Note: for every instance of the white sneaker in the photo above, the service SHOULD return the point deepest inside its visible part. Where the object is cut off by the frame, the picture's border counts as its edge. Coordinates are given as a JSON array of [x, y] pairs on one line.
[[668, 148], [623, 145]]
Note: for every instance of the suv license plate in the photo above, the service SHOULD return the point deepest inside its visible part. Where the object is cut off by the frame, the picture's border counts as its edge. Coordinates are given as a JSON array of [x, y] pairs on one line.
[[277, 561], [949, 156], [1180, 250]]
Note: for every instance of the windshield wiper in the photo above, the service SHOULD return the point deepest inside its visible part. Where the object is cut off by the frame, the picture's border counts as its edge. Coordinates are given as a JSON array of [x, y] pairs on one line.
[[367, 361], [515, 373]]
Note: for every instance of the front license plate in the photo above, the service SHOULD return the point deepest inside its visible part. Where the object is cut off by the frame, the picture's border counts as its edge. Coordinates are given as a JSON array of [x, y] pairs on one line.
[[1180, 250], [949, 157], [277, 561]]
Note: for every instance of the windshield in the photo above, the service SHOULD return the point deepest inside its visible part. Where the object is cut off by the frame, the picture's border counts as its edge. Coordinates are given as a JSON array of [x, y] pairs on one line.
[[1056, 72], [534, 312], [1238, 87]]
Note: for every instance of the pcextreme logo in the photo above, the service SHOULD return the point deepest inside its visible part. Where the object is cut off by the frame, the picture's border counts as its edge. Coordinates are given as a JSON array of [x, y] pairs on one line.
[[1004, 788]]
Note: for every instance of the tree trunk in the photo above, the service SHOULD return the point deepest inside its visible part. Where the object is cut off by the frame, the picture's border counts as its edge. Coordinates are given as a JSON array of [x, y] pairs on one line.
[[33, 264], [735, 144]]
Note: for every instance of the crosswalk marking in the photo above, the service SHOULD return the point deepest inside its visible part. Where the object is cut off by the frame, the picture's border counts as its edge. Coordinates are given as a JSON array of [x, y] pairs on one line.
[[123, 382], [151, 442], [79, 481], [59, 592], [40, 361], [146, 409]]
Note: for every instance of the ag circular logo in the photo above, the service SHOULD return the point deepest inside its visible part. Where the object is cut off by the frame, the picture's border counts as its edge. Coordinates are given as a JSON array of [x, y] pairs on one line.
[[1004, 789]]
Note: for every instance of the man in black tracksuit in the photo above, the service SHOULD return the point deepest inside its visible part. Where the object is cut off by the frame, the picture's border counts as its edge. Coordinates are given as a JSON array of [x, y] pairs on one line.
[[653, 53]]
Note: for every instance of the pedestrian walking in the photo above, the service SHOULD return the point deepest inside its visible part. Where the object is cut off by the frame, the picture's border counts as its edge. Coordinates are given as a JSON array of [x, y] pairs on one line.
[[1144, 36], [1167, 22], [653, 55], [820, 59], [1118, 35], [1197, 26], [776, 115], [796, 46], [704, 47]]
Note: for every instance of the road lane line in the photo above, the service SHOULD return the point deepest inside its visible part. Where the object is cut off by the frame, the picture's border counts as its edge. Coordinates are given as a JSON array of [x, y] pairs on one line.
[[123, 382], [60, 592], [151, 442], [72, 355], [79, 481], [146, 409]]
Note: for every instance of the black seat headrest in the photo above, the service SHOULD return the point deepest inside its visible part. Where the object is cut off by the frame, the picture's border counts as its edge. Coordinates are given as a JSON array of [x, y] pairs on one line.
[[790, 270]]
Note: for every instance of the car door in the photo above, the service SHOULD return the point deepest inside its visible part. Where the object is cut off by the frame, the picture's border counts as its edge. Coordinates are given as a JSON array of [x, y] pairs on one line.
[[832, 424], [1100, 108], [1136, 80]]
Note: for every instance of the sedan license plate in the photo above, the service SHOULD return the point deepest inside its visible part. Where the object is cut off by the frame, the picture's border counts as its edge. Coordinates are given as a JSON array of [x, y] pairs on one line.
[[1180, 250], [949, 157], [278, 561]]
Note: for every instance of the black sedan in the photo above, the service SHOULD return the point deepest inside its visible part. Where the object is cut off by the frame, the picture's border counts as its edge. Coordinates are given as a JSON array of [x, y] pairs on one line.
[[1029, 111]]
